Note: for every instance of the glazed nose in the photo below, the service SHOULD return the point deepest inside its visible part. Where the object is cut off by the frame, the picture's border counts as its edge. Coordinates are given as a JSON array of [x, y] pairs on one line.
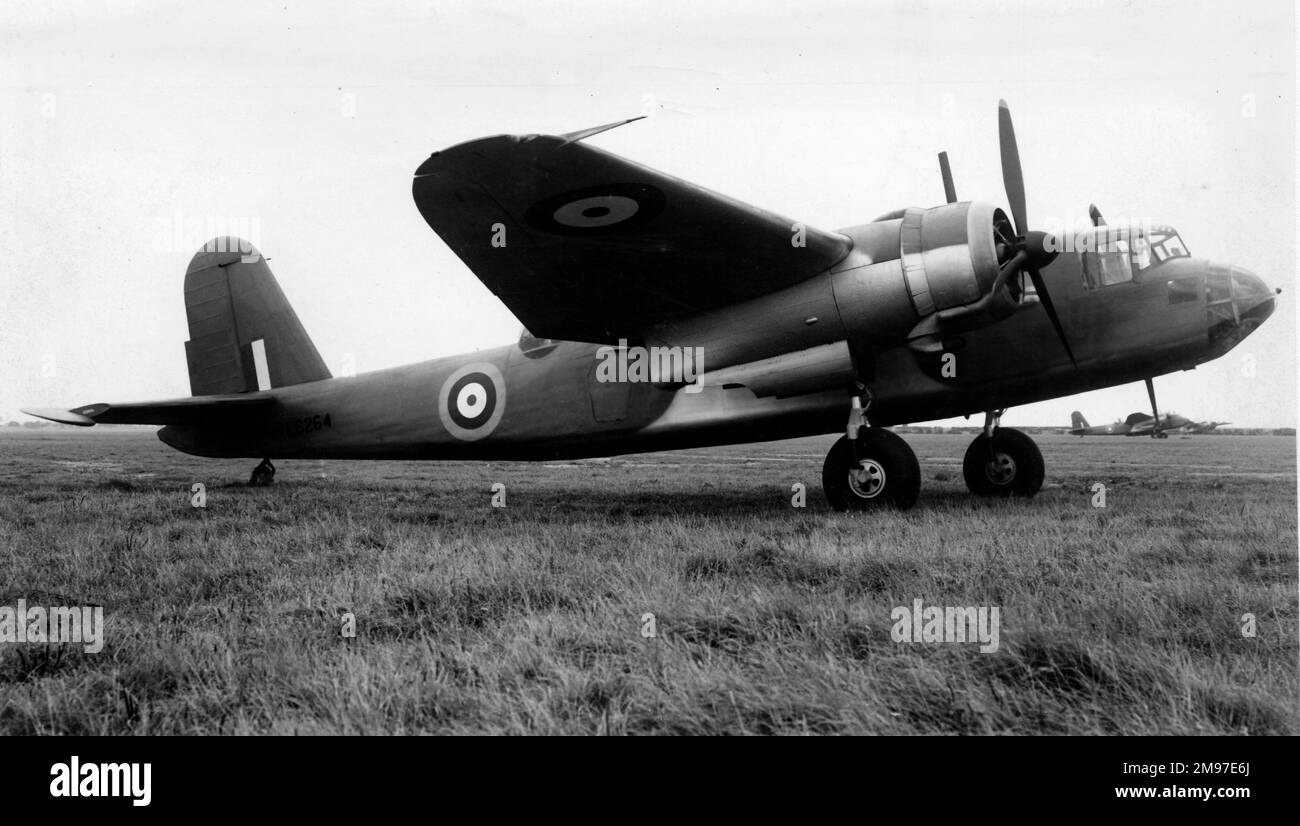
[[1236, 302], [1251, 297]]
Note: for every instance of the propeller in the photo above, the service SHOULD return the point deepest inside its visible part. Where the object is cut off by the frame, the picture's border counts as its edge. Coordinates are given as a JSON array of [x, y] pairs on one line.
[[949, 189], [1031, 251]]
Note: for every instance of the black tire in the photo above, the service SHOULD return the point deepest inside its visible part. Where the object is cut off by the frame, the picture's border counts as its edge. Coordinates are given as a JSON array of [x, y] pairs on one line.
[[1014, 466], [888, 474], [263, 475]]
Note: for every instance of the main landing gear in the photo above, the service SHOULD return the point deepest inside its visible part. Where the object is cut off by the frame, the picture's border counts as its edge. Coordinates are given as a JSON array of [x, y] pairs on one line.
[[263, 474], [1002, 461], [870, 467]]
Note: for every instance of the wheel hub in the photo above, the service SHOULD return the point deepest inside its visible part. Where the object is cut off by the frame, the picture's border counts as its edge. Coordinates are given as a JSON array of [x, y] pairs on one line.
[[1001, 469], [867, 480]]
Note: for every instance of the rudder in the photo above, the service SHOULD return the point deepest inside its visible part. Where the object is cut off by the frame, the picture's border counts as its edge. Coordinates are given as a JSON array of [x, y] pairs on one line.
[[244, 335], [1077, 421]]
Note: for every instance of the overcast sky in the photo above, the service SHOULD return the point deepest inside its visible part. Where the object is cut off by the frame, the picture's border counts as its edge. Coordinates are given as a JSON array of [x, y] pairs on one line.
[[123, 125]]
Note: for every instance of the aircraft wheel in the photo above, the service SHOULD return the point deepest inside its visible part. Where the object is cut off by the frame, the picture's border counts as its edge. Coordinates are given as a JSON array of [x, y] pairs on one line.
[[263, 474], [1014, 466], [885, 473]]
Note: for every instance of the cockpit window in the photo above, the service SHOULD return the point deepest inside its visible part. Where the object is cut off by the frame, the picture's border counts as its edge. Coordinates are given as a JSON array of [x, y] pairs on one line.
[[1115, 255], [1105, 268], [1166, 244], [1140, 252]]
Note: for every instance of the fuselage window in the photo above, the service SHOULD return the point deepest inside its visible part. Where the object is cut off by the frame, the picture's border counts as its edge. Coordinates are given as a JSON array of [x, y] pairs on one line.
[[1186, 290]]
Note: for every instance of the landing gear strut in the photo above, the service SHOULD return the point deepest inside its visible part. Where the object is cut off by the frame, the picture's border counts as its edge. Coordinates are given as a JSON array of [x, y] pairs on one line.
[[1002, 461], [1156, 431], [870, 467], [263, 474]]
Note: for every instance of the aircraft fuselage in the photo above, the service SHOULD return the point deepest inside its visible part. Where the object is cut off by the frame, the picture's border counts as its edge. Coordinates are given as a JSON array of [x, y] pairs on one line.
[[548, 402]]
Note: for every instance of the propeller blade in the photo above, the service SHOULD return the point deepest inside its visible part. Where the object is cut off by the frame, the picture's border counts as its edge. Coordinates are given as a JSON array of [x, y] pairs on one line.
[[1045, 299], [1012, 178], [949, 189], [1095, 215]]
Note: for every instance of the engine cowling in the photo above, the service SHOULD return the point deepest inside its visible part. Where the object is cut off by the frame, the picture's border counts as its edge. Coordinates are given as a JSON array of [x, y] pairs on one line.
[[927, 273], [949, 254]]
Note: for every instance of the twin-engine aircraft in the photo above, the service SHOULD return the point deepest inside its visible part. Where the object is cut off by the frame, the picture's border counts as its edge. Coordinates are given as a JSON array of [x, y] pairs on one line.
[[1141, 424], [665, 316]]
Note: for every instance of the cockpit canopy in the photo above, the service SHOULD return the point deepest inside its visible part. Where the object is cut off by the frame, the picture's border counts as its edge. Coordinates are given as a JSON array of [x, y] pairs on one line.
[[1119, 254]]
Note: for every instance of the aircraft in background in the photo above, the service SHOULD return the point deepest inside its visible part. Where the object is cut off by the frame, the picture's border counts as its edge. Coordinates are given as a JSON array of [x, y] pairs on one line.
[[1140, 424], [1200, 427], [918, 315]]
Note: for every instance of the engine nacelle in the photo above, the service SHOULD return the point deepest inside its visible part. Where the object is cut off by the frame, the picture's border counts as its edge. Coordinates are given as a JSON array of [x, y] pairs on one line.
[[925, 274], [949, 255], [912, 279]]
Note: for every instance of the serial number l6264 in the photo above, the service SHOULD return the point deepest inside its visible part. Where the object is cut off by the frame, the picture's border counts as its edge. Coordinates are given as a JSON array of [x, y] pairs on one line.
[[306, 424]]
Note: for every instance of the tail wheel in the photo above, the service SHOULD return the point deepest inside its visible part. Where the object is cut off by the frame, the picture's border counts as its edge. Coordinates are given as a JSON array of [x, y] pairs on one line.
[[1011, 465], [263, 474], [885, 473]]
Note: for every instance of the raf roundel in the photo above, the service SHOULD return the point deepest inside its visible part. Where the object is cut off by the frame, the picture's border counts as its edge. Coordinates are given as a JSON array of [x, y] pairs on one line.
[[472, 401], [597, 210]]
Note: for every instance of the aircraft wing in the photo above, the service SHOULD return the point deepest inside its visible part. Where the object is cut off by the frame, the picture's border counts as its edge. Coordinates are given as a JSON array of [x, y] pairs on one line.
[[195, 410], [583, 245]]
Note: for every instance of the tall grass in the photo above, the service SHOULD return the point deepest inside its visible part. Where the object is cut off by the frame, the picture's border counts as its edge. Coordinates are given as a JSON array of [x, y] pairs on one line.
[[529, 618]]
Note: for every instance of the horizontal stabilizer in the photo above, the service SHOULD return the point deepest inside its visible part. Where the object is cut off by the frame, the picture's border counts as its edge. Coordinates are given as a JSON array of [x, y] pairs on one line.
[[198, 410], [54, 414]]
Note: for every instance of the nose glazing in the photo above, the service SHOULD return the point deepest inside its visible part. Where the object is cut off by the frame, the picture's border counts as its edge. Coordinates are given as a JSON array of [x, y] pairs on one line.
[[1251, 297], [1237, 301]]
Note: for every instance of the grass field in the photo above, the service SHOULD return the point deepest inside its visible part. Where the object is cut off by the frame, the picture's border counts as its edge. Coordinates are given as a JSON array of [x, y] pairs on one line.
[[529, 618]]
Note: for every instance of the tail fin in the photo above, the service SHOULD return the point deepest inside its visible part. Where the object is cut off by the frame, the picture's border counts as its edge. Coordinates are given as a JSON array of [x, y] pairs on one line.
[[244, 336], [1077, 421]]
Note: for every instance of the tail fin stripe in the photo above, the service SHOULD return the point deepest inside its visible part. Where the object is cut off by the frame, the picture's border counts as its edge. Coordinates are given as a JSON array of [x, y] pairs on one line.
[[259, 363]]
